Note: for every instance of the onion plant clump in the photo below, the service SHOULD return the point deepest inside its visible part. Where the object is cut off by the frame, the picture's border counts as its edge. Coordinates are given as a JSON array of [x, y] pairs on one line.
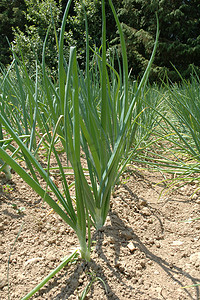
[[92, 114]]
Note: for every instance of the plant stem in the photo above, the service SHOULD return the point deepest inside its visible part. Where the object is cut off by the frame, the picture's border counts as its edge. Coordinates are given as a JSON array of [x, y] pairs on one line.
[[85, 251], [46, 279]]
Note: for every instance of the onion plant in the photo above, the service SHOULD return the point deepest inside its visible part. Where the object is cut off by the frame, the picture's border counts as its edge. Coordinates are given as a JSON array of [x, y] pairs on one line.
[[184, 102], [177, 150], [92, 114], [19, 103]]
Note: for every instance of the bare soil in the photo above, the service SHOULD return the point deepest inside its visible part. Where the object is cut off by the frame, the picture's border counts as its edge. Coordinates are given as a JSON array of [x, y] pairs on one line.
[[144, 251]]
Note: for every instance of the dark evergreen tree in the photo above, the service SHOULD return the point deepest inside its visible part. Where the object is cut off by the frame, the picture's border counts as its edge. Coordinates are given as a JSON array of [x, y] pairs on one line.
[[179, 41], [11, 15]]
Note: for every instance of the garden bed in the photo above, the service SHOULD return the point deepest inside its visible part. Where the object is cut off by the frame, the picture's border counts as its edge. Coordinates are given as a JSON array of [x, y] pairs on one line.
[[144, 251]]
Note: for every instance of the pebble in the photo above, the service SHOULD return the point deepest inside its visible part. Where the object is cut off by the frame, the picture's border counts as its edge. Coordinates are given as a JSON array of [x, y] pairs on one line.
[[177, 243], [157, 244], [145, 211], [142, 202], [105, 243], [150, 262], [143, 263], [33, 260], [46, 243], [131, 247]]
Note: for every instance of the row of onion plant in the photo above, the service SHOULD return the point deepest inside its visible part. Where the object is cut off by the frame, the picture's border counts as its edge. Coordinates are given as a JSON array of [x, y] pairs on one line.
[[91, 113], [176, 140]]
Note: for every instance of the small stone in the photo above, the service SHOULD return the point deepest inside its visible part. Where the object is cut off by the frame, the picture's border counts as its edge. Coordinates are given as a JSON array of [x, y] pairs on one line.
[[157, 244], [131, 247], [142, 202], [105, 243], [145, 211], [143, 263], [177, 243], [160, 237], [33, 260], [46, 244]]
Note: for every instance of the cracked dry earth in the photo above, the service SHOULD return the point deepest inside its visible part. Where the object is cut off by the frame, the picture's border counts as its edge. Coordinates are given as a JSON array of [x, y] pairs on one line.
[[144, 251]]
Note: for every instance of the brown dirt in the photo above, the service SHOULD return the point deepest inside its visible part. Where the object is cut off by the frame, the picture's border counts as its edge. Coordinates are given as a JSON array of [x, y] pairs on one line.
[[144, 251]]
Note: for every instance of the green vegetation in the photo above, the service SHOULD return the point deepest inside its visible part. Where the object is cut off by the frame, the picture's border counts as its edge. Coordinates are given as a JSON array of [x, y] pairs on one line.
[[98, 118], [179, 43], [11, 15]]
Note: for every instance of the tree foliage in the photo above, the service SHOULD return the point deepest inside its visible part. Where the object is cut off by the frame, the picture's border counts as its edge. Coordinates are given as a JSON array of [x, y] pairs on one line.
[[40, 16], [179, 41], [11, 14]]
